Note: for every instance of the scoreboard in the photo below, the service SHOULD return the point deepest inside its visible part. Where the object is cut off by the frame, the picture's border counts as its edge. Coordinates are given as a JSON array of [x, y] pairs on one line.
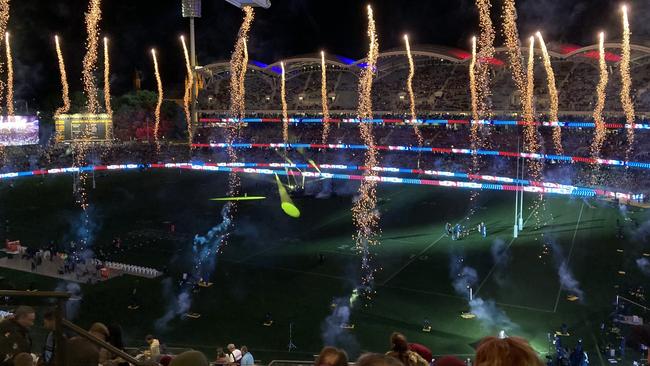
[[83, 127]]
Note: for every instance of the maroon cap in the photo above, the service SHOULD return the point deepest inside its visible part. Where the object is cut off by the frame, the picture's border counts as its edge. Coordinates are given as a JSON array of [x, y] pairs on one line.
[[449, 361]]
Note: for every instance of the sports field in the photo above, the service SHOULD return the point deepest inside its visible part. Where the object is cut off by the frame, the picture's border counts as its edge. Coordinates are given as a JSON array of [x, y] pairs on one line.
[[273, 263]]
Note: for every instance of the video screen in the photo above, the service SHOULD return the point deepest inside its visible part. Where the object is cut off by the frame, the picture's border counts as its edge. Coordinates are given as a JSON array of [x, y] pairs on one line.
[[82, 127], [18, 130]]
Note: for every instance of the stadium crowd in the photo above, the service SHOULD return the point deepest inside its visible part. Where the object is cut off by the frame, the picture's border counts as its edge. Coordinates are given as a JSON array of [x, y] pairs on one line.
[[16, 349]]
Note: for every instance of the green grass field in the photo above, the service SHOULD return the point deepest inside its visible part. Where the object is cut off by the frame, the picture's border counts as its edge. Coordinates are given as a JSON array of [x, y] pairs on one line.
[[271, 264]]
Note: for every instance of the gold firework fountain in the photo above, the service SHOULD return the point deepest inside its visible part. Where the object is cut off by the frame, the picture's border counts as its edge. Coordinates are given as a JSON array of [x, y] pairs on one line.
[[65, 93], [409, 88], [512, 44], [283, 99], [323, 98], [4, 22], [10, 77], [364, 211], [107, 79], [600, 132], [237, 96], [553, 96], [475, 140], [93, 16], [189, 84], [482, 67], [160, 99], [626, 81]]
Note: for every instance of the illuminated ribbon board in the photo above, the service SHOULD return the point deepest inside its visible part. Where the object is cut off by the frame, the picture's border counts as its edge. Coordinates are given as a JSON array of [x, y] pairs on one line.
[[435, 150], [550, 188], [432, 122]]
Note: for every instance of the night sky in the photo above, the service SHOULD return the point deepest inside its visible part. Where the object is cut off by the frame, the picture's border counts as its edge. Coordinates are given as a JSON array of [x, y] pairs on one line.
[[288, 28]]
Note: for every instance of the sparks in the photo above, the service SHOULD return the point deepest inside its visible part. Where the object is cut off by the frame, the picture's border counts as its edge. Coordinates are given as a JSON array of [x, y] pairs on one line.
[[512, 43], [626, 81], [409, 88], [189, 84], [237, 97], [107, 79], [93, 16], [65, 94], [600, 131], [482, 67], [160, 99], [283, 99], [553, 96], [364, 211], [4, 22], [323, 98], [10, 77]]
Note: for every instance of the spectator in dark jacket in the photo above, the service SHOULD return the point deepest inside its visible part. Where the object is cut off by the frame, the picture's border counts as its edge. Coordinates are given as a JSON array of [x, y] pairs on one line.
[[14, 334]]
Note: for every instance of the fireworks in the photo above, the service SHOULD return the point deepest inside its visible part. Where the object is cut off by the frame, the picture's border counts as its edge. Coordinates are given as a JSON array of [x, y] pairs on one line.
[[189, 84], [283, 98], [474, 127], [482, 67], [511, 34], [237, 94], [552, 92], [472, 83], [10, 77], [4, 22], [323, 97], [409, 88], [160, 99], [364, 211], [107, 79], [600, 131], [238, 67], [530, 138], [65, 94], [626, 81], [93, 16]]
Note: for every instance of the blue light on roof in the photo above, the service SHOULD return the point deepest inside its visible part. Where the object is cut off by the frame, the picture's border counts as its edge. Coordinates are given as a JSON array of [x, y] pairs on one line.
[[345, 60], [277, 69], [259, 64]]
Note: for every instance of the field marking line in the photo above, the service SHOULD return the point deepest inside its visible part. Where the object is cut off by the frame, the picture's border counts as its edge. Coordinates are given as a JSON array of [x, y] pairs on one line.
[[568, 259], [411, 260], [489, 274], [600, 356]]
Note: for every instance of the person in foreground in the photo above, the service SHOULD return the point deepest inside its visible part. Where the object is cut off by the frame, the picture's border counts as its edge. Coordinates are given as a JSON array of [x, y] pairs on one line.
[[330, 356], [511, 351]]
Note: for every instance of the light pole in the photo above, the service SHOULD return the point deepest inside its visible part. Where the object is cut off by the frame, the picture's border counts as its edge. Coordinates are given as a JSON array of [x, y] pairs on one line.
[[192, 9]]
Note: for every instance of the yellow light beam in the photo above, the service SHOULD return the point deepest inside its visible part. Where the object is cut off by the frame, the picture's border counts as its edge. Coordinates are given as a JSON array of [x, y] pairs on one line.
[[285, 200]]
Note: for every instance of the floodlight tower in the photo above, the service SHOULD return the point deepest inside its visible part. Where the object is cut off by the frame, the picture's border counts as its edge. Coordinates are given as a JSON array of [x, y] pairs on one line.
[[192, 9]]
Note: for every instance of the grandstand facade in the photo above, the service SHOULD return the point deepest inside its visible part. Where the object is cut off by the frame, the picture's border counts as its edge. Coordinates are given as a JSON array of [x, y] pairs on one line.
[[441, 82]]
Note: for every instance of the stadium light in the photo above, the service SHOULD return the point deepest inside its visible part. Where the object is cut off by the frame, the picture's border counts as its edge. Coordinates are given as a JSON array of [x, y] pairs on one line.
[[254, 3]]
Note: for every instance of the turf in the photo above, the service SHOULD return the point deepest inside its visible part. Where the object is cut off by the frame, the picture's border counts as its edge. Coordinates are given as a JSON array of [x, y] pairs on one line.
[[271, 263]]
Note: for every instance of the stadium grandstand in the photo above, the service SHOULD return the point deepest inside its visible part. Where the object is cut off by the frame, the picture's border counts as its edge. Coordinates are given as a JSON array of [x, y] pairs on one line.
[[441, 82]]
